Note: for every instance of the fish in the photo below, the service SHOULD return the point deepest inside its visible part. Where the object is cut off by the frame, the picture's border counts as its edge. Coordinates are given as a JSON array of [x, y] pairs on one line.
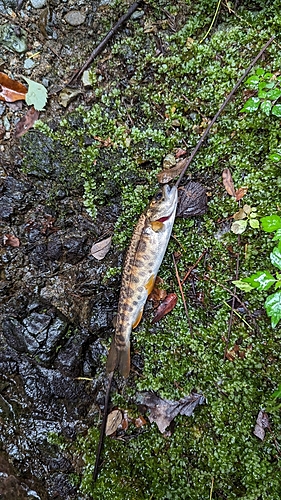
[[143, 259]]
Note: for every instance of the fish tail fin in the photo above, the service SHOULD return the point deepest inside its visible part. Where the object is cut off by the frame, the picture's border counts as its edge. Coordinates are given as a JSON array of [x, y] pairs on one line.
[[119, 359]]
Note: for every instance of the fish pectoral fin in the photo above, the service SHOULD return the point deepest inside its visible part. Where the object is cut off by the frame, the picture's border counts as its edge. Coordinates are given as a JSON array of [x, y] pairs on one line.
[[138, 318], [156, 225], [150, 284]]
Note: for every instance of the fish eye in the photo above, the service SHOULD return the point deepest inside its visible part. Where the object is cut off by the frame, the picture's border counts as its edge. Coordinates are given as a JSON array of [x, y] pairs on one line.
[[158, 196]]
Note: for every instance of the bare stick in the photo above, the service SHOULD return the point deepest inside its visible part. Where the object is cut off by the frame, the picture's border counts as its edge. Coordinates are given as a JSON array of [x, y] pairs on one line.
[[229, 97], [103, 424], [182, 294], [193, 266], [104, 42]]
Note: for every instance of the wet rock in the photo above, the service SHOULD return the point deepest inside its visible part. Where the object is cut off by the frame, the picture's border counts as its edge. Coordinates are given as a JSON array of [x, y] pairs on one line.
[[6, 207], [75, 18], [11, 40], [14, 334], [38, 4], [69, 358]]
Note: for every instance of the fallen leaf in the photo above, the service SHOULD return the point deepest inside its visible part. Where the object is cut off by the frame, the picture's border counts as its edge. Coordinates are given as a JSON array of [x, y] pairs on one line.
[[125, 421], [180, 152], [11, 90], [11, 240], [192, 200], [163, 411], [240, 193], [166, 306], [36, 95], [170, 173], [140, 421], [114, 419], [26, 122], [228, 182], [67, 95], [158, 293], [100, 249], [262, 423]]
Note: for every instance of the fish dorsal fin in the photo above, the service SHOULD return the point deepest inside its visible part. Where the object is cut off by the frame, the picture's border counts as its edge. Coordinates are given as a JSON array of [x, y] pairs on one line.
[[138, 318]]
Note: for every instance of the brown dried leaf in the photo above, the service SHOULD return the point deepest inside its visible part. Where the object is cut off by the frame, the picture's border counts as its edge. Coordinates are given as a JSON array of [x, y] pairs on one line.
[[26, 122], [140, 421], [158, 293], [239, 215], [11, 240], [240, 193], [114, 419], [192, 200], [163, 411], [165, 307], [11, 90], [262, 423], [228, 182], [100, 249], [180, 152], [170, 173]]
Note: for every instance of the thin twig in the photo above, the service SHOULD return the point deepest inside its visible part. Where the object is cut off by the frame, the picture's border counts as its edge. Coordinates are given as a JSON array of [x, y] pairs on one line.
[[232, 307], [182, 294], [213, 21], [194, 265], [106, 39], [103, 424], [229, 97]]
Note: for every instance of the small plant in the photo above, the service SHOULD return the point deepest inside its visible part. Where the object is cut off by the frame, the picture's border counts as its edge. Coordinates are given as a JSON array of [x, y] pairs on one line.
[[244, 216], [264, 280], [268, 88]]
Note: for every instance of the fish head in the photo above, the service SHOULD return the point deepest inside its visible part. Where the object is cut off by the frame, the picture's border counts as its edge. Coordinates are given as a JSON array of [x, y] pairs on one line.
[[163, 205]]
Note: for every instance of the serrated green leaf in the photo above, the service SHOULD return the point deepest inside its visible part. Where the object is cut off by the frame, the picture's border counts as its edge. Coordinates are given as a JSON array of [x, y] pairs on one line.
[[254, 223], [242, 285], [266, 106], [239, 226], [251, 105], [275, 257], [277, 235], [276, 110], [275, 157], [36, 95], [271, 223], [262, 280], [273, 308]]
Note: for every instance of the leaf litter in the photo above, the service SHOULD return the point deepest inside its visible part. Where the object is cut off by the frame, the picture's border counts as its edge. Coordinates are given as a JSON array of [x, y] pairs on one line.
[[163, 411], [101, 248]]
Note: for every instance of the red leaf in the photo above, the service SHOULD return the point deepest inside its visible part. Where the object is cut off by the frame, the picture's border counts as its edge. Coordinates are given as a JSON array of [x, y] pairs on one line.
[[26, 122], [240, 193], [165, 307], [11, 90]]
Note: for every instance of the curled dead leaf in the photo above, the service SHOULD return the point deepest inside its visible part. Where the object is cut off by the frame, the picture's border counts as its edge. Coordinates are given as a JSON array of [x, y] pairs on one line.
[[262, 423], [240, 193], [192, 200], [140, 421], [170, 173], [228, 182], [165, 307], [26, 122], [11, 90], [101, 248]]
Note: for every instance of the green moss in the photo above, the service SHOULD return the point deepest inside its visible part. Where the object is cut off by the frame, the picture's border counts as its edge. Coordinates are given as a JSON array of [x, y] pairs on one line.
[[149, 103]]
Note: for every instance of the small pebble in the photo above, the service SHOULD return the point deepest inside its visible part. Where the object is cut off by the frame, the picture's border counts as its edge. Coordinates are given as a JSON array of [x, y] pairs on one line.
[[137, 14], [28, 64], [38, 4], [74, 18]]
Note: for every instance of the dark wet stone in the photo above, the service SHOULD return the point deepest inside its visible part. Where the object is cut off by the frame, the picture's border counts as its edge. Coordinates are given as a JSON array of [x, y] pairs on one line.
[[54, 247], [75, 248], [15, 189], [69, 358], [36, 324], [38, 255], [14, 334], [7, 207]]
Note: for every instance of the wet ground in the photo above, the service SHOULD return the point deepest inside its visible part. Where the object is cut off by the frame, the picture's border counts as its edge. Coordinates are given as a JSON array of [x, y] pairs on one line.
[[55, 307]]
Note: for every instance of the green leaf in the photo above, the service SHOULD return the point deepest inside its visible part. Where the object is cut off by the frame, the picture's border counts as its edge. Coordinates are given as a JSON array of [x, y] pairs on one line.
[[277, 393], [273, 308], [260, 71], [251, 105], [36, 95], [276, 110], [273, 94], [239, 226], [242, 285], [254, 223], [275, 257], [275, 157], [277, 285], [271, 223], [277, 235], [262, 280], [252, 81], [266, 107]]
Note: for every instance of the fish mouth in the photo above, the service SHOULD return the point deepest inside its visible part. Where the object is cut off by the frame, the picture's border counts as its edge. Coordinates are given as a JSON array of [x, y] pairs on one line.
[[170, 195]]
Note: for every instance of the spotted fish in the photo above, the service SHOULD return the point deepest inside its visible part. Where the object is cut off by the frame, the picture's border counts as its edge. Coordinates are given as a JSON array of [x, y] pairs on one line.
[[144, 257]]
